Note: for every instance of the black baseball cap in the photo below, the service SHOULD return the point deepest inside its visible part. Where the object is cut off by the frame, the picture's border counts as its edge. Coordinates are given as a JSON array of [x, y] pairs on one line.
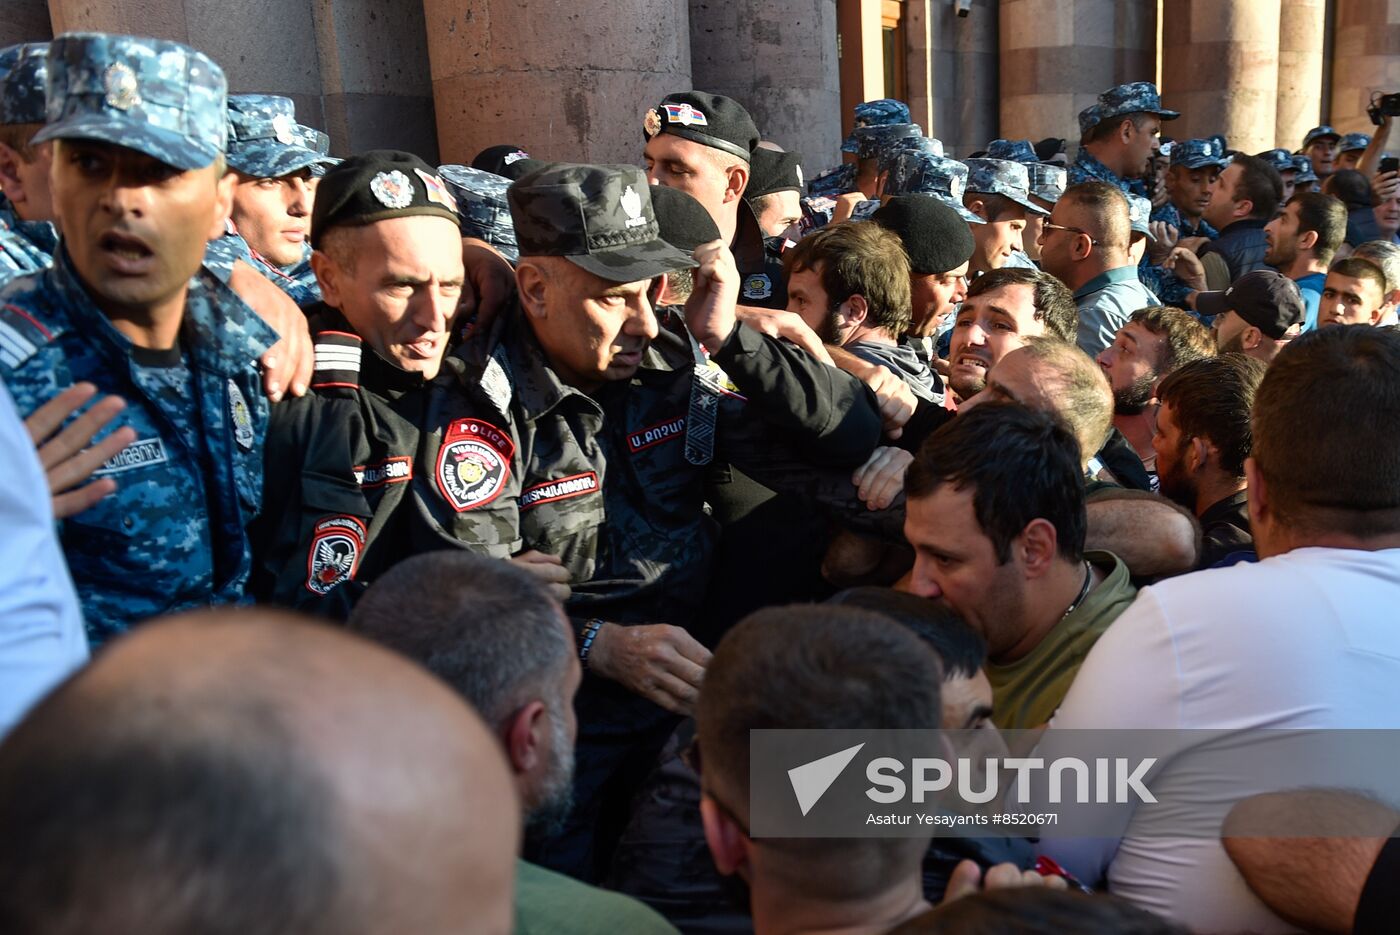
[[599, 217], [375, 186], [710, 119], [1266, 299], [935, 236], [771, 171], [507, 160]]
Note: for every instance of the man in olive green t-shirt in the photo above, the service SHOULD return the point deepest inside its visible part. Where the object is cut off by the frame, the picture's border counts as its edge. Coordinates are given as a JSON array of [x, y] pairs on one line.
[[491, 630], [997, 520]]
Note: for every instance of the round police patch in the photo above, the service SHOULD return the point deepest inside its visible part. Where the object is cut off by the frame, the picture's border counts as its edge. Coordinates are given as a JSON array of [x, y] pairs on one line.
[[473, 464], [241, 416], [392, 189], [334, 554], [123, 92], [758, 286]]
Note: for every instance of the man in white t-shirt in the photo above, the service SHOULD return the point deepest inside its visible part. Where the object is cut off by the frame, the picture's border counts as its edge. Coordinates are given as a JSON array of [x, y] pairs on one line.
[[1306, 638]]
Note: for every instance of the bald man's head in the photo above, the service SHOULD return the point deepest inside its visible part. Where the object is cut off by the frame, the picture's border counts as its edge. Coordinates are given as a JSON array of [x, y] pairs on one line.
[[243, 771]]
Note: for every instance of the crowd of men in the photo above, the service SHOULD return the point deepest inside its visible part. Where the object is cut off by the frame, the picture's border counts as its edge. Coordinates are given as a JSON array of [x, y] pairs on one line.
[[523, 491]]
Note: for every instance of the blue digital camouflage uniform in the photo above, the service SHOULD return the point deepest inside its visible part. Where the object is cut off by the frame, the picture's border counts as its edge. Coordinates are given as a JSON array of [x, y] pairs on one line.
[[25, 246], [1135, 97], [1010, 180], [266, 142], [173, 535], [880, 113]]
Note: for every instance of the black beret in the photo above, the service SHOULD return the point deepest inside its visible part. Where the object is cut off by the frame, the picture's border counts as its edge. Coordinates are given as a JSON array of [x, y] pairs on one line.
[[935, 237], [771, 171], [509, 161], [684, 222], [710, 119], [375, 186]]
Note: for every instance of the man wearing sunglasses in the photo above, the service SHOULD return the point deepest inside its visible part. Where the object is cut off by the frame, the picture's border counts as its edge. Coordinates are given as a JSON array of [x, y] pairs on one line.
[[1085, 245]]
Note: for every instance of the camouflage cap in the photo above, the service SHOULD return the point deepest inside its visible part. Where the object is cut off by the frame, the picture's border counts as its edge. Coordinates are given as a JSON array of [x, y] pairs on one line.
[[1353, 141], [917, 144], [264, 139], [482, 206], [23, 69], [376, 186], [709, 119], [1135, 97], [1002, 177], [1197, 154], [871, 141], [884, 112], [927, 174], [1048, 182], [772, 171], [1321, 133], [599, 217], [1014, 150], [1280, 159], [1089, 118], [833, 181], [318, 142], [1305, 175], [1219, 140], [157, 97], [1139, 214]]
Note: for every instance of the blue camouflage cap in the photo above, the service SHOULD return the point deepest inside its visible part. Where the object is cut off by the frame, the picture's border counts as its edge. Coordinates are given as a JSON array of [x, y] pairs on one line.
[[1013, 150], [1197, 154], [264, 138], [834, 181], [1352, 141], [1048, 181], [926, 174], [1002, 177], [23, 69], [483, 206], [1321, 133], [1135, 97], [1089, 118], [157, 97], [318, 142], [1139, 213], [1305, 174], [872, 141], [883, 112], [919, 144], [1280, 159]]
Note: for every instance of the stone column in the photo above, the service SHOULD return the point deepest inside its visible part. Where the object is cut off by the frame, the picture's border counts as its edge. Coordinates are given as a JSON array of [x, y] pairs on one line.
[[1058, 55], [24, 21], [778, 59], [1300, 37], [1220, 68], [568, 81], [1365, 58], [377, 90], [953, 72]]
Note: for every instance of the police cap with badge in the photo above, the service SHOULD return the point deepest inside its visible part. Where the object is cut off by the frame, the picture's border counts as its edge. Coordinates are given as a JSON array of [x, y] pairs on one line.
[[157, 97], [1280, 159], [1198, 154], [1135, 97], [1351, 142], [871, 142], [936, 176], [598, 217], [265, 141], [1139, 215], [709, 119], [376, 186], [23, 69]]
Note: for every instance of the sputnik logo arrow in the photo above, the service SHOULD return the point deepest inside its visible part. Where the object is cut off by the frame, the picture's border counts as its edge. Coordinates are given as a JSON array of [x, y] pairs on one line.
[[811, 780]]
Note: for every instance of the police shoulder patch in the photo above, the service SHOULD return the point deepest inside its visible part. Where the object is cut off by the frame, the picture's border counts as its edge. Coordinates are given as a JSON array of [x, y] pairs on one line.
[[241, 416], [575, 485], [473, 463], [334, 555], [758, 286]]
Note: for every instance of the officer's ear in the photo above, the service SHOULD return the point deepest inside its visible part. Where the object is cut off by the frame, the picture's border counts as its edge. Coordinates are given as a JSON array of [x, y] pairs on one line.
[[223, 202], [9, 173], [978, 207], [532, 283], [328, 273], [738, 180]]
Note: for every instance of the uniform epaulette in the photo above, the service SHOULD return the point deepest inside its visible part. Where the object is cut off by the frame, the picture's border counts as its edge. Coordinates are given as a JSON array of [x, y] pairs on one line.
[[337, 360], [21, 336]]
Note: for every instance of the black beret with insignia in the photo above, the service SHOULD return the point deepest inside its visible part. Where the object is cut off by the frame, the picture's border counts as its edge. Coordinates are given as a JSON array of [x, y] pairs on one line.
[[684, 222], [772, 171], [378, 185], [710, 119]]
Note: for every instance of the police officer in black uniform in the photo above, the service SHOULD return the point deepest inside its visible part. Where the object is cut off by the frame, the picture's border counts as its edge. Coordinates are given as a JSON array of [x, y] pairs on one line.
[[388, 257]]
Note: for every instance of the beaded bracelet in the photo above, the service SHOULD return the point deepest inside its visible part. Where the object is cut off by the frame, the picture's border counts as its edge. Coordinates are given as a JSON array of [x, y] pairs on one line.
[[586, 638]]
